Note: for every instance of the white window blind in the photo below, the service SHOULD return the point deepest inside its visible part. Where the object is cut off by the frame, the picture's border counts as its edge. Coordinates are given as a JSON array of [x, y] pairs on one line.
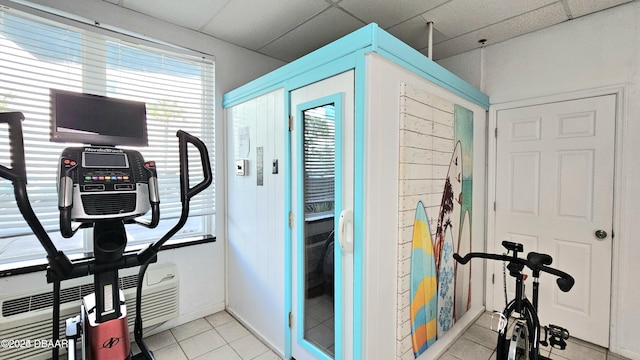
[[178, 91], [319, 159]]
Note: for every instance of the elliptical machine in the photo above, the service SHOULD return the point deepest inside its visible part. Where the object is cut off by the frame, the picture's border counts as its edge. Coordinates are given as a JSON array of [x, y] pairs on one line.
[[132, 191]]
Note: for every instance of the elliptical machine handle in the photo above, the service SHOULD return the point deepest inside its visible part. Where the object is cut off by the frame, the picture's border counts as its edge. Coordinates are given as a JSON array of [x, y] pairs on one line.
[[58, 261], [154, 197], [185, 191], [18, 171]]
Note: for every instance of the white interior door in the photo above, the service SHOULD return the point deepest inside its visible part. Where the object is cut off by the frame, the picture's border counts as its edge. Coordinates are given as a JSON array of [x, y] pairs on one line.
[[554, 194], [322, 226]]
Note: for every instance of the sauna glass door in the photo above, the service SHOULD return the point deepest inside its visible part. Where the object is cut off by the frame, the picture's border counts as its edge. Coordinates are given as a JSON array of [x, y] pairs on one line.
[[321, 319]]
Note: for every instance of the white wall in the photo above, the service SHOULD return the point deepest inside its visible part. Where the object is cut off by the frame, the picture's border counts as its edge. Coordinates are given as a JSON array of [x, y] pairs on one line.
[[595, 51], [201, 268], [256, 222]]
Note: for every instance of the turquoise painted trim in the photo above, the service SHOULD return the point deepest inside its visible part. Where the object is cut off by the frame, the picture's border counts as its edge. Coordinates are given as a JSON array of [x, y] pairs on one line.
[[327, 54], [372, 39], [336, 100], [358, 206]]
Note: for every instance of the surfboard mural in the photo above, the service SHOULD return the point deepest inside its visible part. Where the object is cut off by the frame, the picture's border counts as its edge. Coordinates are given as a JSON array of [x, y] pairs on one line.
[[440, 292], [463, 134], [463, 273], [424, 303], [446, 284], [449, 216]]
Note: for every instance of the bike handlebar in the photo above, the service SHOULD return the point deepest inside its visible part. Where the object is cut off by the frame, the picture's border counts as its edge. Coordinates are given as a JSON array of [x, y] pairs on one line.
[[565, 281]]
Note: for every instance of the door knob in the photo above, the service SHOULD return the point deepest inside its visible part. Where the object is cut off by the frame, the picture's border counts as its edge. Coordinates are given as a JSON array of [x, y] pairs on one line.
[[601, 234]]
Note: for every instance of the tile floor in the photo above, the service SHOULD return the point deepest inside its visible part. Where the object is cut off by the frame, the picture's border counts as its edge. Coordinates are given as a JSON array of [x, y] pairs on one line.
[[215, 337], [221, 337], [478, 343]]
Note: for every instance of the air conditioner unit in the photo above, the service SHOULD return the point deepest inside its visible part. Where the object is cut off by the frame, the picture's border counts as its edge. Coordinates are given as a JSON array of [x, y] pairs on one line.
[[28, 317]]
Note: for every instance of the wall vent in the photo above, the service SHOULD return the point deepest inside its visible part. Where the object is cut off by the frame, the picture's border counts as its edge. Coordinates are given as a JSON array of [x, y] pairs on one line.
[[45, 300], [29, 317]]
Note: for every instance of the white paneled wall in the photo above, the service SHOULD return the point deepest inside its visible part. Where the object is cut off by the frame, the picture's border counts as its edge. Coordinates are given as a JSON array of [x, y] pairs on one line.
[[255, 220]]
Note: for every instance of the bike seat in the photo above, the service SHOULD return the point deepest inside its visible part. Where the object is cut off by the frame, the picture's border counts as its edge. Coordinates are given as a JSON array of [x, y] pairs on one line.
[[539, 259]]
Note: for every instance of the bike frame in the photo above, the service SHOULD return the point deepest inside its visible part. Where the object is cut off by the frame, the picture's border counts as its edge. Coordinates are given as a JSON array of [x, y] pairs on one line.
[[527, 310], [529, 313]]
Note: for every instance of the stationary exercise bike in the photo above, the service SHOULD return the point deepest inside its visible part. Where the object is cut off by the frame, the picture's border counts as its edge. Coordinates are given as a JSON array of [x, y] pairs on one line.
[[129, 189], [524, 341]]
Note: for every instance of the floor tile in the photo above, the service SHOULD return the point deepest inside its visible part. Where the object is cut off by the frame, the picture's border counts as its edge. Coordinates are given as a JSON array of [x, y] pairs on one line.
[[249, 347], [448, 356], [201, 344], [578, 352], [190, 329], [467, 350], [232, 331], [171, 352], [481, 335], [269, 355], [612, 356], [160, 340], [219, 318], [486, 320], [223, 353]]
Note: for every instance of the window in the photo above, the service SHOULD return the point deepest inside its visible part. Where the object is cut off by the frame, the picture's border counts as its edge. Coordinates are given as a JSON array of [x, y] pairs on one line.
[[177, 88]]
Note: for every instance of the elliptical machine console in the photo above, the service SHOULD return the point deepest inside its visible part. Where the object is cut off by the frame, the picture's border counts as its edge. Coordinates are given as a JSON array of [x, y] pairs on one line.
[[104, 188], [105, 183]]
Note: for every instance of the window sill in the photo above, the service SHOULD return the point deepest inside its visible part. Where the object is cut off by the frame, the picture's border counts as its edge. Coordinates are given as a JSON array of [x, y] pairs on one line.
[[30, 266]]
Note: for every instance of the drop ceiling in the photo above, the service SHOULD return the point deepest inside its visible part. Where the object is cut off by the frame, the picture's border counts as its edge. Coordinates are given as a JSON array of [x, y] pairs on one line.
[[289, 29]]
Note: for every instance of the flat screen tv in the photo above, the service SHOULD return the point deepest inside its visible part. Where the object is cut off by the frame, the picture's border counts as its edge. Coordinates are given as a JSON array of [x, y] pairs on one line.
[[97, 120]]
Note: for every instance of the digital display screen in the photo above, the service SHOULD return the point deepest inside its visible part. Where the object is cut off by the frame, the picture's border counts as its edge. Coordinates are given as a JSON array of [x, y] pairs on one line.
[[102, 160], [97, 120]]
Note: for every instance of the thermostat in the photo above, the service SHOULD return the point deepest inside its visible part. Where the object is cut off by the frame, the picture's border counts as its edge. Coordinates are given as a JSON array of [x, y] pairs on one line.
[[241, 167]]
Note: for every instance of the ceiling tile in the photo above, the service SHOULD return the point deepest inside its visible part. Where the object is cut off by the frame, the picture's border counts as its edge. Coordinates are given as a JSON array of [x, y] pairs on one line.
[[192, 14], [459, 17], [245, 24], [388, 13], [583, 7], [512, 27], [319, 31], [414, 33]]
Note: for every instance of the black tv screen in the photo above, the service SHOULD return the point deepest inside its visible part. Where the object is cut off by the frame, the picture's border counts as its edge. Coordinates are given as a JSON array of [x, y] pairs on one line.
[[97, 120]]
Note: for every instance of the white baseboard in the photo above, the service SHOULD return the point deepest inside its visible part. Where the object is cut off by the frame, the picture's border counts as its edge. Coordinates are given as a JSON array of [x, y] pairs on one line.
[[185, 318], [256, 333], [443, 344]]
